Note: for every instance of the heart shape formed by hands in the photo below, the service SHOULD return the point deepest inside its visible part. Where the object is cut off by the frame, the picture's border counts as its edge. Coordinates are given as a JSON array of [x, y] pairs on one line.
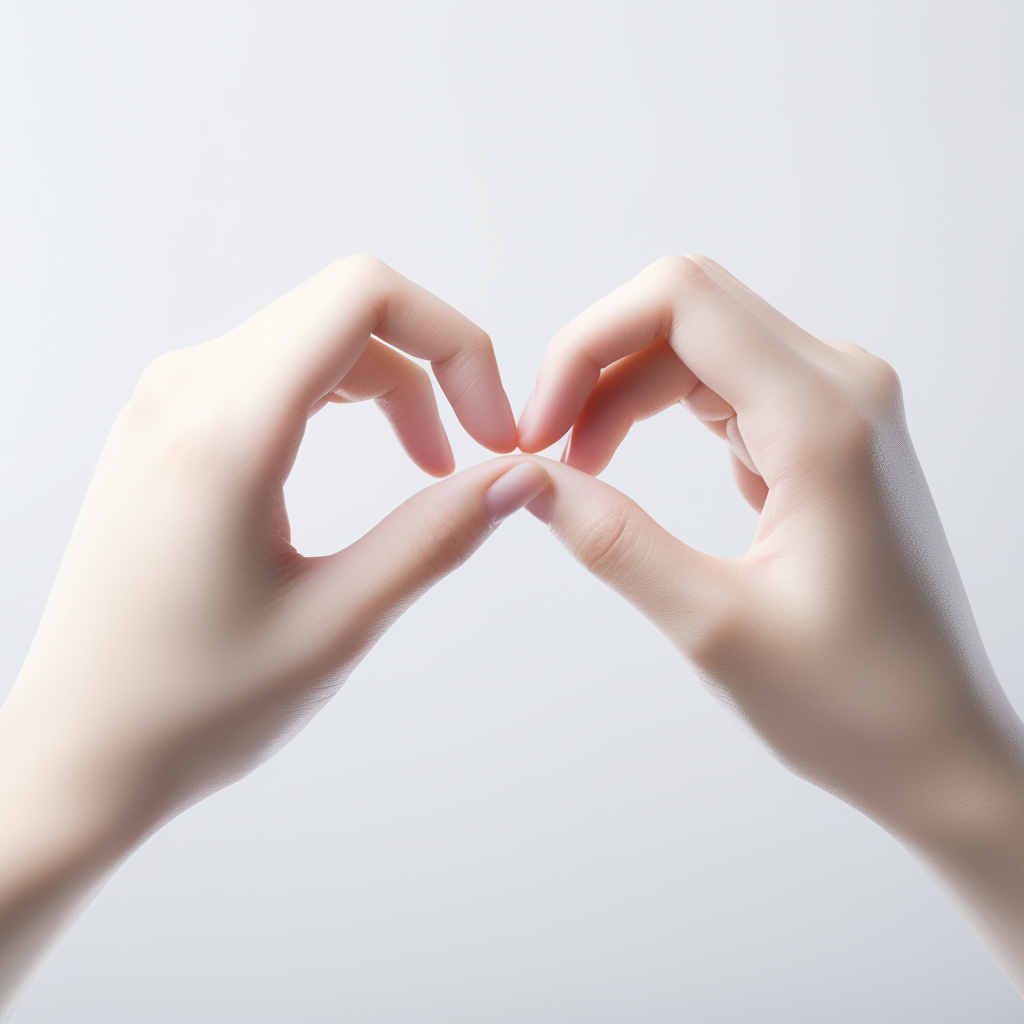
[[186, 639], [182, 550], [843, 636], [823, 636]]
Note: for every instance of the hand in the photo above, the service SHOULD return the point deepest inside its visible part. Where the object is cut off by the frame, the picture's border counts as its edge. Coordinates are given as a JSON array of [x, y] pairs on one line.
[[185, 639], [844, 636]]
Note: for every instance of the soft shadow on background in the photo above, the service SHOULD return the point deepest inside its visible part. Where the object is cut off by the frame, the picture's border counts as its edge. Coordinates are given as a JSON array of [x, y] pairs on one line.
[[522, 806]]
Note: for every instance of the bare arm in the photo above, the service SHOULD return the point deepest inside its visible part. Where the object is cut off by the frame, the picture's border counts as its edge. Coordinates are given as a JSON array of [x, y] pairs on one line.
[[185, 639], [843, 636]]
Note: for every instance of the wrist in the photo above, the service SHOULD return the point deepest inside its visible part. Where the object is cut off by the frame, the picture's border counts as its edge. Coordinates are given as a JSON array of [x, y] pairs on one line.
[[67, 814], [960, 794], [965, 824], [63, 832]]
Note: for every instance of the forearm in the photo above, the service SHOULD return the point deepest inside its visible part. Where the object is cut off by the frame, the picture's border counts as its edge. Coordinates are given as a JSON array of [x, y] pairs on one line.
[[64, 828], [966, 827]]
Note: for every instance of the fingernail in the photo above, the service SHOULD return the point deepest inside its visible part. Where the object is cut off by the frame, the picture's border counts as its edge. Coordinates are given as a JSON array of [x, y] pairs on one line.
[[526, 415], [511, 491], [565, 450]]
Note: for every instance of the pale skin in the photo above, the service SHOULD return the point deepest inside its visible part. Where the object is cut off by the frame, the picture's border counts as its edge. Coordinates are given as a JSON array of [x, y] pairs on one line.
[[185, 639]]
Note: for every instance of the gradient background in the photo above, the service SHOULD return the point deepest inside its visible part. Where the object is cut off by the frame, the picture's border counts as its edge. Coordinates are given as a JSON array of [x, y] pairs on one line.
[[522, 807]]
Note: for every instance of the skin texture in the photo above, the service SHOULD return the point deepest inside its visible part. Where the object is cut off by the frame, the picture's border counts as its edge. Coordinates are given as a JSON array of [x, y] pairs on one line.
[[185, 640], [843, 637]]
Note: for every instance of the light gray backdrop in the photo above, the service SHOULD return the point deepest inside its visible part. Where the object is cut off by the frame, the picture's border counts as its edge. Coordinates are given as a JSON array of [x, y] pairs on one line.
[[522, 807]]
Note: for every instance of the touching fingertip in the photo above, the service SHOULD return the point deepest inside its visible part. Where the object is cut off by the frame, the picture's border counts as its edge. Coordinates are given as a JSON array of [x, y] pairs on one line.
[[442, 463], [497, 433], [514, 489], [506, 445], [441, 470]]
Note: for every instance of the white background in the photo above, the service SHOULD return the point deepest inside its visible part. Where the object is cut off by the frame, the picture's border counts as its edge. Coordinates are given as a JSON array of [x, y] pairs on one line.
[[522, 807]]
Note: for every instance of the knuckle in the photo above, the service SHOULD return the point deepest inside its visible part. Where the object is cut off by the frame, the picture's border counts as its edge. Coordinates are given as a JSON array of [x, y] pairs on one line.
[[881, 384], [177, 416], [696, 259], [408, 396], [682, 270], [867, 409], [418, 382], [569, 342], [852, 412], [160, 382], [473, 343], [366, 277], [868, 380], [480, 340], [611, 545], [681, 279], [359, 265], [564, 338]]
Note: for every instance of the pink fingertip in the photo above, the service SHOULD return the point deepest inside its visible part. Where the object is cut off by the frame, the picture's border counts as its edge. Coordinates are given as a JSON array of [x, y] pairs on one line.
[[441, 469], [514, 489]]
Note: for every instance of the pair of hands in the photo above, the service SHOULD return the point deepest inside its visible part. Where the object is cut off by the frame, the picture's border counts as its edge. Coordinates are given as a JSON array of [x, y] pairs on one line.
[[186, 639]]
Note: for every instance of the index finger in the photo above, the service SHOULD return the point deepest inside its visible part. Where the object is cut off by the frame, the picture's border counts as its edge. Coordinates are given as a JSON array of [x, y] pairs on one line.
[[302, 345], [720, 339]]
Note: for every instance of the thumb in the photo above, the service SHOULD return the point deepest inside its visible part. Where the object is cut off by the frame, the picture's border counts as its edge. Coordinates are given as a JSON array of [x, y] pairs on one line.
[[684, 592], [357, 593]]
